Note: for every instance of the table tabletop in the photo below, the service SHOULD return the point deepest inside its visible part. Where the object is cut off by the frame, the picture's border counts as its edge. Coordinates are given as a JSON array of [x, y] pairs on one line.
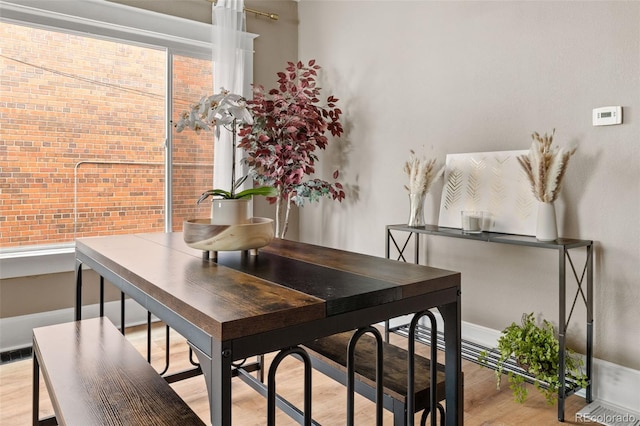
[[242, 305]]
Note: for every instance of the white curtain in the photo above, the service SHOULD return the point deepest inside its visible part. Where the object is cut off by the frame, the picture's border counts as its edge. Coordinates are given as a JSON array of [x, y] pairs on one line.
[[229, 62]]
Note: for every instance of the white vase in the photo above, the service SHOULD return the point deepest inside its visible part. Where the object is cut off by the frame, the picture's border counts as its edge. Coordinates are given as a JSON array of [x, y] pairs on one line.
[[416, 210], [546, 228], [231, 212]]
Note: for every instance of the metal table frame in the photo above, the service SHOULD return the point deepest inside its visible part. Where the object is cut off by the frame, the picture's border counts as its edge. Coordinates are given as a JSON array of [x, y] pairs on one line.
[[563, 246]]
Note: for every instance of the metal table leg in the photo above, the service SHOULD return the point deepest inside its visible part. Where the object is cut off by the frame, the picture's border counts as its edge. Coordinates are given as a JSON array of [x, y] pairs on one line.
[[351, 374], [271, 384]]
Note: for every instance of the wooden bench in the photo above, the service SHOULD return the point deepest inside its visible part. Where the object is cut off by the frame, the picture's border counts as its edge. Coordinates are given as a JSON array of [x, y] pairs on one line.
[[96, 377], [329, 356]]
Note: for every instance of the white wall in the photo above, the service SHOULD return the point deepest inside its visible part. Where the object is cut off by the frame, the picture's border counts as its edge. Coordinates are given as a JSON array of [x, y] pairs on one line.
[[482, 76]]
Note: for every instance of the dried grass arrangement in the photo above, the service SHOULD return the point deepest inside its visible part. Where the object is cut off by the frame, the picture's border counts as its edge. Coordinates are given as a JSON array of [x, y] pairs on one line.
[[422, 173], [545, 166]]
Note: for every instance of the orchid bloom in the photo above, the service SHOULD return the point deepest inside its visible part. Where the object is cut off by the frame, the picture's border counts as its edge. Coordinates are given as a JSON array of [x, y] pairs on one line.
[[216, 110], [228, 110]]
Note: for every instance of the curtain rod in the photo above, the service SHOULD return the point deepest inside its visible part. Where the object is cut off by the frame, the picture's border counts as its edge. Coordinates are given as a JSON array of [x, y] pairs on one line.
[[269, 15]]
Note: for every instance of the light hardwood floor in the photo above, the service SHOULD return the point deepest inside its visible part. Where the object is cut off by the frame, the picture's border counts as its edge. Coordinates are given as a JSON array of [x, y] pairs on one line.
[[483, 403]]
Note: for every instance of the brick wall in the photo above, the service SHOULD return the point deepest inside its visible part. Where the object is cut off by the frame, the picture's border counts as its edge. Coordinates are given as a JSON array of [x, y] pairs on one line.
[[75, 113]]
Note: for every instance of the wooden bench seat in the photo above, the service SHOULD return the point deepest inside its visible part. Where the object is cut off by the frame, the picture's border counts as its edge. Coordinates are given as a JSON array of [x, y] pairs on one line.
[[329, 355], [96, 377]]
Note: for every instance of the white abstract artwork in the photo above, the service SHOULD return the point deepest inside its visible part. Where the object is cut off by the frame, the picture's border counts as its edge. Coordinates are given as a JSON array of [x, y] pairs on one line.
[[491, 182]]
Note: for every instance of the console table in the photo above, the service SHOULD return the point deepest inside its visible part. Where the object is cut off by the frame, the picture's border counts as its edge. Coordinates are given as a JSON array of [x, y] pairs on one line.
[[564, 247]]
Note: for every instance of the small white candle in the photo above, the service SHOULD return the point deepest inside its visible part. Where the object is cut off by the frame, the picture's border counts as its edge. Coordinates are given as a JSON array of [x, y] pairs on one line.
[[471, 221]]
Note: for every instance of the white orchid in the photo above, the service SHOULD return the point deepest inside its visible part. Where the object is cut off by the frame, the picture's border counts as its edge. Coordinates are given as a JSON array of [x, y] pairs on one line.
[[216, 110], [228, 110]]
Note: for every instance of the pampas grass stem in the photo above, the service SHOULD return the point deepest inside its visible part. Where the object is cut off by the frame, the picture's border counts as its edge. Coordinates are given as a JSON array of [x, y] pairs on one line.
[[545, 166], [422, 173]]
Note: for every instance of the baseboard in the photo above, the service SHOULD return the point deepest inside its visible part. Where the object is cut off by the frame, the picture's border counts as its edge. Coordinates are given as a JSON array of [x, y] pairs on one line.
[[607, 415], [16, 332]]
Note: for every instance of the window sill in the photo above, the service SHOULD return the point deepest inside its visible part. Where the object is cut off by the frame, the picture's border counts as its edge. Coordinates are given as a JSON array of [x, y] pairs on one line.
[[31, 261]]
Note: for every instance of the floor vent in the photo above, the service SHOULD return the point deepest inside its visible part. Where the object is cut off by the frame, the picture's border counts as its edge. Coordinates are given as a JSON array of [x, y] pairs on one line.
[[608, 415], [15, 355]]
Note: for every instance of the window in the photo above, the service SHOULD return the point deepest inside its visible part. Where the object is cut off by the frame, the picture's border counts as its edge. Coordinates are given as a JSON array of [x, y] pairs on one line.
[[83, 137], [88, 135]]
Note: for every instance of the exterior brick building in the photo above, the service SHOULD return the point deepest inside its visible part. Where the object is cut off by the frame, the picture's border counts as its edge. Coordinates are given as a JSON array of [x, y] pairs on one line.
[[82, 137]]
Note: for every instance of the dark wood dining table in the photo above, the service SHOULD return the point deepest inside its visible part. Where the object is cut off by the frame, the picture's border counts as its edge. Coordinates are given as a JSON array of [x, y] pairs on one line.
[[243, 305]]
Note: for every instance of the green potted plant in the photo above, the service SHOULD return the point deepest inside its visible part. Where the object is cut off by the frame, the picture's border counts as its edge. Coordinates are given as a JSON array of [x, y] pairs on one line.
[[289, 126], [535, 349], [226, 110]]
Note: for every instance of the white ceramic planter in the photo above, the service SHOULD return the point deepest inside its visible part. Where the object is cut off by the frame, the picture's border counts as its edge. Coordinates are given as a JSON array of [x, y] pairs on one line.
[[231, 212]]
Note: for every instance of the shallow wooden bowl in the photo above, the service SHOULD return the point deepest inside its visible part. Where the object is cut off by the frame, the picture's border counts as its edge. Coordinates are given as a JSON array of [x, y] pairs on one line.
[[202, 235]]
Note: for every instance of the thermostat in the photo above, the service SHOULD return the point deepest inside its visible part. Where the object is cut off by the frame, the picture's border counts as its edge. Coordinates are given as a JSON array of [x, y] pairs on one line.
[[606, 116]]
